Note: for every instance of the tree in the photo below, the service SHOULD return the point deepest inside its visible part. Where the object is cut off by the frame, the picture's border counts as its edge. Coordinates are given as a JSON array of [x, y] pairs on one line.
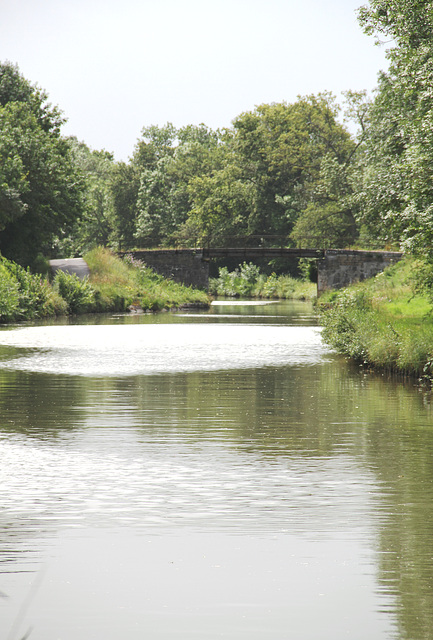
[[124, 186], [172, 160], [396, 193], [40, 187], [95, 226], [329, 218], [15, 88], [271, 164], [220, 201], [13, 183], [408, 22]]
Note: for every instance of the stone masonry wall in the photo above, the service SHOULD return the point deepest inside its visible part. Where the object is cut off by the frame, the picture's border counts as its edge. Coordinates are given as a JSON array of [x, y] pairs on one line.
[[183, 265], [339, 268]]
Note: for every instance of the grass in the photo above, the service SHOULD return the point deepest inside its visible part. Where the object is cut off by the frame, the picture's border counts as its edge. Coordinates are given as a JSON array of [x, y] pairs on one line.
[[385, 322], [120, 284]]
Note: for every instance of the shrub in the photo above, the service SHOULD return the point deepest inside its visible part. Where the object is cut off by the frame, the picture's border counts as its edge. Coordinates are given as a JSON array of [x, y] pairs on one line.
[[247, 281], [9, 295], [382, 322], [78, 294], [34, 291]]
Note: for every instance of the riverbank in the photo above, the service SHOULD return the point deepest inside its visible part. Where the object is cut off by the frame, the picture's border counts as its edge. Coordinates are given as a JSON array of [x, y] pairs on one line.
[[385, 323], [113, 285]]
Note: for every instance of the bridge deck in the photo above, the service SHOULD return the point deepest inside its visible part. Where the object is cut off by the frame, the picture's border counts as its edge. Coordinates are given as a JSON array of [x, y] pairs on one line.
[[208, 253], [260, 252]]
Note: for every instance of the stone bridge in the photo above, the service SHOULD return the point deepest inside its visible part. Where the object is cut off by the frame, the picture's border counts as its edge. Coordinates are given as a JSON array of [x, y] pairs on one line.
[[337, 268]]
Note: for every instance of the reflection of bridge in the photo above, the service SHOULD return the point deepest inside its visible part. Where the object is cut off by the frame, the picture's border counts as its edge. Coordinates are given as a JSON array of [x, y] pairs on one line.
[[336, 267]]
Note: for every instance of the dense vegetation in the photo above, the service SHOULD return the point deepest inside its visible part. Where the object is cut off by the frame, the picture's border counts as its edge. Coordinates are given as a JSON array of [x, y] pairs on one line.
[[385, 322], [114, 285], [247, 281]]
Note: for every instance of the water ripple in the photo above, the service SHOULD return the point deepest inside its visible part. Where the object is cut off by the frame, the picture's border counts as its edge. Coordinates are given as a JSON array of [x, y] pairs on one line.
[[107, 350]]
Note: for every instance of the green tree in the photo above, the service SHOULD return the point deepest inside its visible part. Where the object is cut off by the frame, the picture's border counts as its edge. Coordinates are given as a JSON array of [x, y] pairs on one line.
[[330, 217], [40, 187], [13, 183], [271, 165], [396, 193], [408, 22], [220, 202], [15, 88], [164, 197], [95, 226], [124, 186]]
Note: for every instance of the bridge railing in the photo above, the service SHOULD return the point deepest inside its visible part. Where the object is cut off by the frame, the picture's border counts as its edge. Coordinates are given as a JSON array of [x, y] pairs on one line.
[[247, 240]]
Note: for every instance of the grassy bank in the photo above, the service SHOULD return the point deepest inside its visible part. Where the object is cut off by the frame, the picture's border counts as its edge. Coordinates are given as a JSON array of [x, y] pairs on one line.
[[247, 282], [118, 284], [385, 322], [114, 285]]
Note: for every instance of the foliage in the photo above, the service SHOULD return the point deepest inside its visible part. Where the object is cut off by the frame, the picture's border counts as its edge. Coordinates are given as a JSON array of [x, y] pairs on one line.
[[395, 193], [24, 295], [240, 282], [78, 294], [256, 178], [169, 160], [408, 22], [115, 284], [328, 220], [124, 186], [220, 204], [272, 163], [9, 295], [382, 322], [40, 189], [35, 298], [95, 225], [247, 281]]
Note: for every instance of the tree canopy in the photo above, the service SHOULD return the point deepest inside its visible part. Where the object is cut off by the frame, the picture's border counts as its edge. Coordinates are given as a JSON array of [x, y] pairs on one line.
[[40, 188], [396, 194]]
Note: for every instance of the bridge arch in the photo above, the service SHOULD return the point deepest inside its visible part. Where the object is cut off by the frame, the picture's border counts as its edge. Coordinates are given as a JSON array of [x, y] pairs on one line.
[[337, 268]]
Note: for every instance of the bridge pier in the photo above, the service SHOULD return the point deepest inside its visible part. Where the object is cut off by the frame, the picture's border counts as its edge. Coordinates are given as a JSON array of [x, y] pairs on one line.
[[339, 268]]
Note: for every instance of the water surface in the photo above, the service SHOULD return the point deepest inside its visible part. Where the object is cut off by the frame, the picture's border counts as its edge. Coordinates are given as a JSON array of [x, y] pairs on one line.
[[212, 475]]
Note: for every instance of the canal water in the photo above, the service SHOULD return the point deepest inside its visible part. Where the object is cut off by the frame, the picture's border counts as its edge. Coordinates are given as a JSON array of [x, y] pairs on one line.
[[209, 475]]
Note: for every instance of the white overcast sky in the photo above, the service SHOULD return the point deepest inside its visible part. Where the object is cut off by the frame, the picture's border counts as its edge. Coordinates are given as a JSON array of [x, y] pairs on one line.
[[115, 66]]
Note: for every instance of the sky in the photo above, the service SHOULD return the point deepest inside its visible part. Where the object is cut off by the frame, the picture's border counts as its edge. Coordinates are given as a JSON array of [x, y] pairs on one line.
[[116, 66]]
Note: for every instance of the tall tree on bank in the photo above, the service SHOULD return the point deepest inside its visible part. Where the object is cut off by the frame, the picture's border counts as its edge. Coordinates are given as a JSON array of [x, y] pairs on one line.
[[396, 197], [95, 226], [168, 160], [40, 187], [330, 216], [271, 166]]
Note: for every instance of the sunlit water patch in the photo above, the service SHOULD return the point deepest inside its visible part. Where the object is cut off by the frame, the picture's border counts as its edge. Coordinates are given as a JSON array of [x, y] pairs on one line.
[[242, 303], [110, 350]]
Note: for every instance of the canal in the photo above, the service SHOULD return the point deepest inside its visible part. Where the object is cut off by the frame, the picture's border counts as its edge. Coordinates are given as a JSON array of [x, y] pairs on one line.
[[209, 475]]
